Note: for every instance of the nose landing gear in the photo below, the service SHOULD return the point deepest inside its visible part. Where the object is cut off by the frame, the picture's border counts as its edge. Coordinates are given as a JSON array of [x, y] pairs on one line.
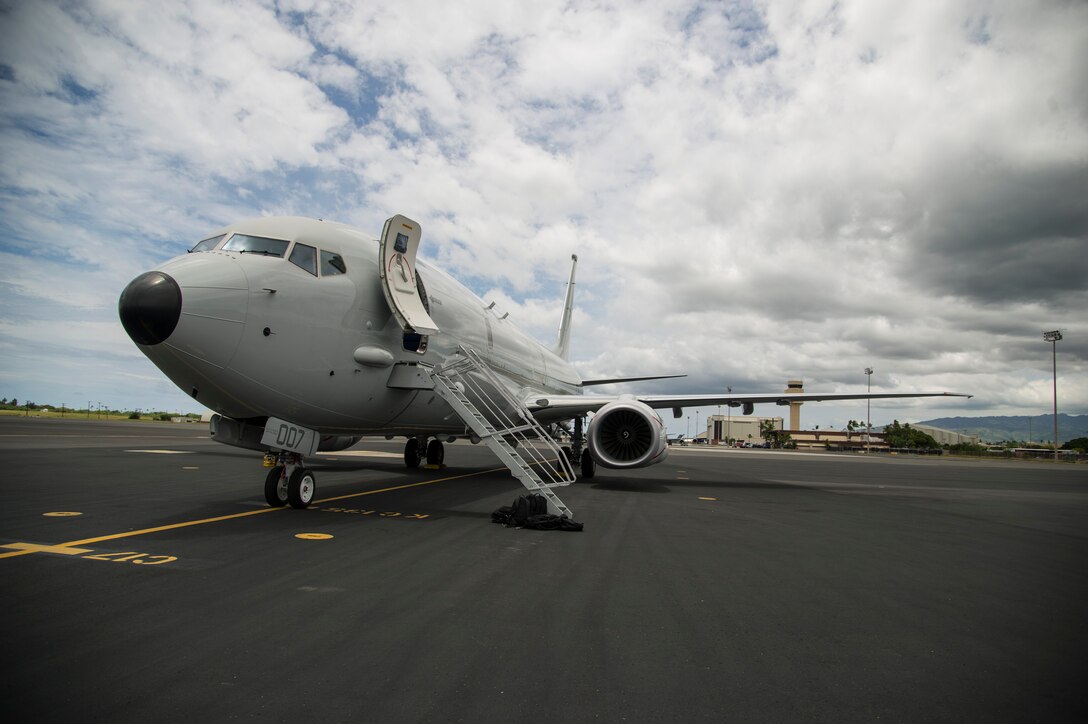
[[289, 482]]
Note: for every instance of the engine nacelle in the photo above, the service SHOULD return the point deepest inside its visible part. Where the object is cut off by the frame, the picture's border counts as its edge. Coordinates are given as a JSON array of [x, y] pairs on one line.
[[627, 434]]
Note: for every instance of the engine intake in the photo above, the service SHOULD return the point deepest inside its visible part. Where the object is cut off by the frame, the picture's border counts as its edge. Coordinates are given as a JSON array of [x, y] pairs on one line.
[[627, 434]]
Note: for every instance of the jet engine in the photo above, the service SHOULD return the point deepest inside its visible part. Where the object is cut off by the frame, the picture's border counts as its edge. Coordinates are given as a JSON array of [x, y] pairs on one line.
[[627, 434]]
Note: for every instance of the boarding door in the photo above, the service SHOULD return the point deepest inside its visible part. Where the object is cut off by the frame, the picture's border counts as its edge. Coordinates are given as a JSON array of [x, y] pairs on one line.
[[399, 243]]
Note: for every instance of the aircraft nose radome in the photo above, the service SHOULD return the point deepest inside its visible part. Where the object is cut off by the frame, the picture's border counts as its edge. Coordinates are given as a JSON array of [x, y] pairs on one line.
[[150, 307]]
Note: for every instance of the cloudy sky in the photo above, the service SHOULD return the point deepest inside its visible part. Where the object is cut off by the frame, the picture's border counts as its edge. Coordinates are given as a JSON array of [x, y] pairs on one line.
[[757, 191]]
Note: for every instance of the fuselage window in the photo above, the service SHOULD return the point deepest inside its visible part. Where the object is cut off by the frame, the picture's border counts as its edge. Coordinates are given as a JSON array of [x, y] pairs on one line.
[[207, 244], [332, 264], [247, 244], [304, 257]]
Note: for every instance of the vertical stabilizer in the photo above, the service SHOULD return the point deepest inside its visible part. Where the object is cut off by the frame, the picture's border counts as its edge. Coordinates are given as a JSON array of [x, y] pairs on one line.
[[562, 345]]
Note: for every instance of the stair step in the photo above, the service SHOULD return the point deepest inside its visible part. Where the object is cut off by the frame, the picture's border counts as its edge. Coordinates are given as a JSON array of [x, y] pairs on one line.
[[535, 447]]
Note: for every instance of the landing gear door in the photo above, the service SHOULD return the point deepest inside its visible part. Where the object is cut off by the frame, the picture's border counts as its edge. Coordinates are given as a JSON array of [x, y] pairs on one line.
[[399, 242]]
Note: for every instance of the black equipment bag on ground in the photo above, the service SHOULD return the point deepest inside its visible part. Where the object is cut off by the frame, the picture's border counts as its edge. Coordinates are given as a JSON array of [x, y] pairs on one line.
[[531, 511]]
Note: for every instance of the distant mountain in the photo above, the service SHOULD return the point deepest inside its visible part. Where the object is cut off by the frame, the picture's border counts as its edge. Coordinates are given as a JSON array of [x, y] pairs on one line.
[[1039, 428]]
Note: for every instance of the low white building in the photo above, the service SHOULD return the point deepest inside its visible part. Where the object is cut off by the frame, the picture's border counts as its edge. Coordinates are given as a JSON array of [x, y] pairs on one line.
[[743, 428], [947, 437]]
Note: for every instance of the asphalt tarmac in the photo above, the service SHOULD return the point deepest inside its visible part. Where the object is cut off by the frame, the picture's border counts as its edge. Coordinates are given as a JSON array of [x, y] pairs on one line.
[[144, 579]]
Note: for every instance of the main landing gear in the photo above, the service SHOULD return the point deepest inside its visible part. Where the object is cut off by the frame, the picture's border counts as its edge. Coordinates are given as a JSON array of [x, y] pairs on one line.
[[579, 455], [418, 449], [288, 481], [436, 453], [414, 452]]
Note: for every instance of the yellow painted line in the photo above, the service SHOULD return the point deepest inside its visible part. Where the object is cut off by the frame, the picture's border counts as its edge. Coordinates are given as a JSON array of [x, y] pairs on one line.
[[173, 526], [409, 485], [313, 536], [248, 513], [702, 498], [34, 548], [62, 514]]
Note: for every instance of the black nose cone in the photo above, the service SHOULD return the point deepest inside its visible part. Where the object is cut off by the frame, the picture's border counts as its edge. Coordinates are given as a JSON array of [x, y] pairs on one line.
[[150, 307]]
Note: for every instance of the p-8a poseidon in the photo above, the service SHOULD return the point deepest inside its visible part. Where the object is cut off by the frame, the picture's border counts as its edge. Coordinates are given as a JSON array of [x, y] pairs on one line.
[[304, 335]]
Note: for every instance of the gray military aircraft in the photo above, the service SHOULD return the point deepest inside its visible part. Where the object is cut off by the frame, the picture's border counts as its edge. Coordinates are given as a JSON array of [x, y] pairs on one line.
[[303, 335]]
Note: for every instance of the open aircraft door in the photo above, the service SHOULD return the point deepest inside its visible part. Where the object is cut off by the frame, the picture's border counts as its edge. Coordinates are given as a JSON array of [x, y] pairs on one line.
[[397, 257]]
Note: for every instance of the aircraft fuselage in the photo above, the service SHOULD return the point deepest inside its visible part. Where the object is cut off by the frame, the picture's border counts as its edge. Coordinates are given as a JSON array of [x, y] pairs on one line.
[[280, 330]]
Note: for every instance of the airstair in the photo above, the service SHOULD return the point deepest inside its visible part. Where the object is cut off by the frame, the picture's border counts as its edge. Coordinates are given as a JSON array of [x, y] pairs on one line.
[[505, 425]]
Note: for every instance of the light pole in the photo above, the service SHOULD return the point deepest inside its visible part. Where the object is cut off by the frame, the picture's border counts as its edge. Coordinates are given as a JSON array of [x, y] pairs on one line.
[[868, 417], [1054, 337], [729, 420]]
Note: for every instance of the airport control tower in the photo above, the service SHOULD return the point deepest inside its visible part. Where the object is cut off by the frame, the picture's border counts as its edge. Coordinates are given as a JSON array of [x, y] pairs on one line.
[[795, 386]]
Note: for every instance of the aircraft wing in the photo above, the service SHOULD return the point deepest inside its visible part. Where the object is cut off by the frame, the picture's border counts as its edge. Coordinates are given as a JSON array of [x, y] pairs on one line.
[[563, 406]]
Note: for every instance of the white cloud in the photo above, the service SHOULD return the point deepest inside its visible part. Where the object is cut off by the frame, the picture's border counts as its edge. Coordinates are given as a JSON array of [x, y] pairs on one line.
[[756, 191]]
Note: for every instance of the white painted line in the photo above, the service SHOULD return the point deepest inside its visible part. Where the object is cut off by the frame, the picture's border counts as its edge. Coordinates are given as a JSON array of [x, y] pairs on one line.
[[364, 454]]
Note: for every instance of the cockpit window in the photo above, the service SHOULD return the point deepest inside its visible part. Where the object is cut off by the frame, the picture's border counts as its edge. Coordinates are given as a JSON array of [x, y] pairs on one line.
[[331, 264], [207, 244], [247, 244], [304, 257]]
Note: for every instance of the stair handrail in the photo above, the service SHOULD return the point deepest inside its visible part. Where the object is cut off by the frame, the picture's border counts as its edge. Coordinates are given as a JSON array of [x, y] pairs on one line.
[[550, 464]]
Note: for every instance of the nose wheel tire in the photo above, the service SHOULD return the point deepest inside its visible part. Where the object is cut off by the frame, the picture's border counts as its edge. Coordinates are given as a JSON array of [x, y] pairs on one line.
[[275, 487], [301, 488]]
